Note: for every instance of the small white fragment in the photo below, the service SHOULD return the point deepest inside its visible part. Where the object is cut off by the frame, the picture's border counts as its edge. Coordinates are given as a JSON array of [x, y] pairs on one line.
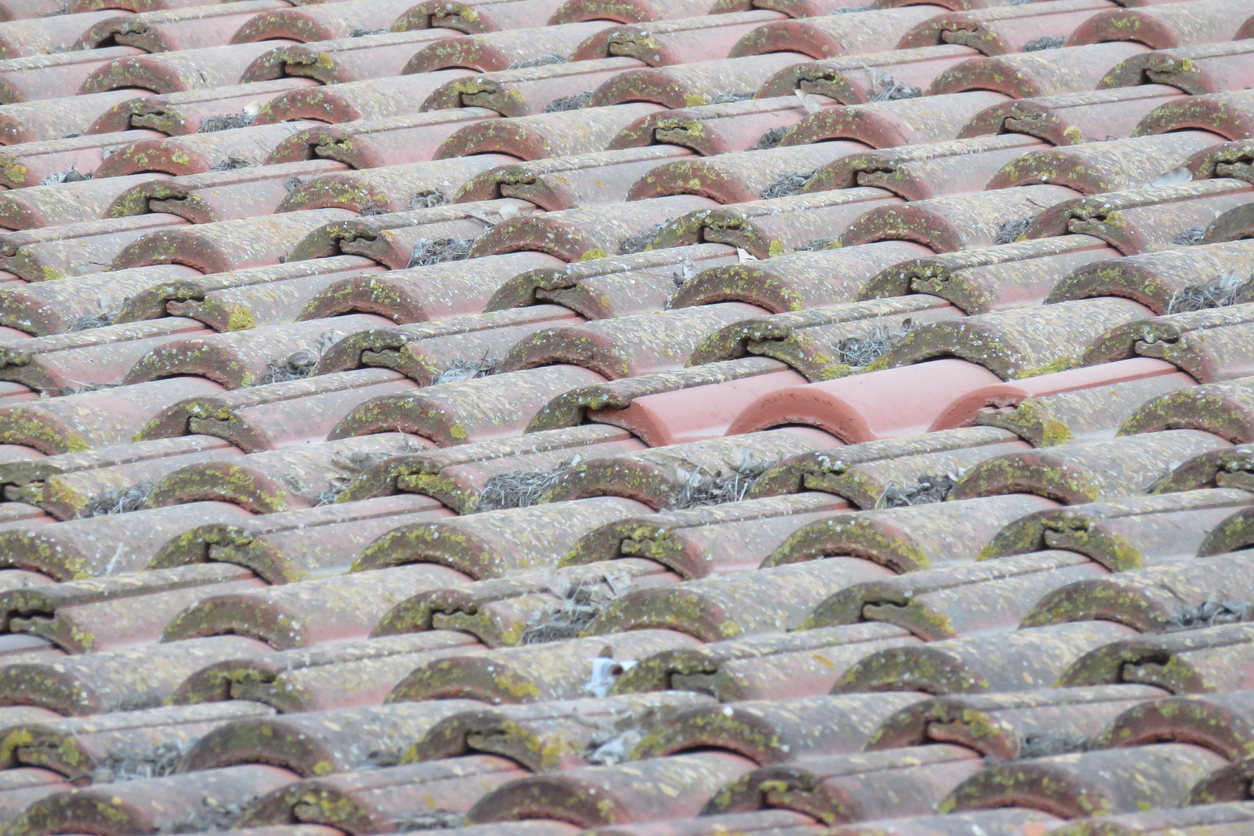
[[604, 672], [810, 103], [1172, 178]]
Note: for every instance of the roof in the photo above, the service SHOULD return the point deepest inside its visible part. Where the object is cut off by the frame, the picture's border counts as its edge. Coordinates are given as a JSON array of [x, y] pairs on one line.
[[634, 417]]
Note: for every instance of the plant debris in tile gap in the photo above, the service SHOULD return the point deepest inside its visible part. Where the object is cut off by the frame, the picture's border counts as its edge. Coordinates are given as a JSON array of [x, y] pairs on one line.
[[641, 241], [1047, 743], [232, 162], [163, 760], [580, 604], [771, 139], [300, 363], [1010, 231], [613, 740], [462, 370], [521, 489], [568, 102], [542, 61], [718, 489], [930, 488], [885, 88], [352, 464], [71, 175], [109, 309], [121, 501], [225, 122], [361, 33], [1210, 613], [789, 184], [857, 352], [1217, 293], [1044, 42], [429, 251]]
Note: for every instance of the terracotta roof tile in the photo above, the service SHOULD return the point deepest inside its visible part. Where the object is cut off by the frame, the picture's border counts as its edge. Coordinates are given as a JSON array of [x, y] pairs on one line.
[[1002, 30], [1194, 661]]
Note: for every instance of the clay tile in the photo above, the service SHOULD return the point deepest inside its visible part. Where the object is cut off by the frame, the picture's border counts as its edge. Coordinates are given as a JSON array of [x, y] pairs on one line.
[[1126, 341], [699, 542], [768, 666], [1222, 409], [177, 72], [740, 604], [311, 22], [381, 800], [320, 742], [743, 176], [62, 203], [1023, 75], [864, 468], [1230, 159], [475, 16], [278, 480], [373, 98], [1209, 816], [24, 786], [75, 249], [176, 30], [635, 11], [1092, 471], [798, 281], [1016, 660], [372, 143], [593, 232], [866, 79], [30, 163], [1107, 166], [997, 278], [1206, 68], [1223, 467], [204, 296], [526, 607], [1005, 29], [907, 538], [689, 474], [310, 612], [1213, 21], [52, 119], [1012, 344], [413, 238], [926, 171], [229, 111], [643, 404], [1227, 114], [73, 485], [120, 745], [472, 410], [1203, 659], [892, 123], [692, 85], [676, 41], [826, 342], [557, 134], [225, 245], [614, 286], [530, 90], [77, 422], [853, 33], [958, 600], [1085, 413], [1075, 118], [117, 680], [567, 669], [388, 189], [957, 222], [495, 543], [1219, 722], [748, 125], [94, 626], [650, 790], [46, 308], [883, 404], [45, 77], [237, 359], [631, 345], [1102, 782], [287, 546], [47, 35], [554, 737], [1212, 355], [1169, 281], [343, 59], [777, 731], [344, 674], [218, 195], [852, 788], [1007, 819], [1158, 599], [68, 549], [579, 180], [1012, 726], [511, 49], [1146, 219]]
